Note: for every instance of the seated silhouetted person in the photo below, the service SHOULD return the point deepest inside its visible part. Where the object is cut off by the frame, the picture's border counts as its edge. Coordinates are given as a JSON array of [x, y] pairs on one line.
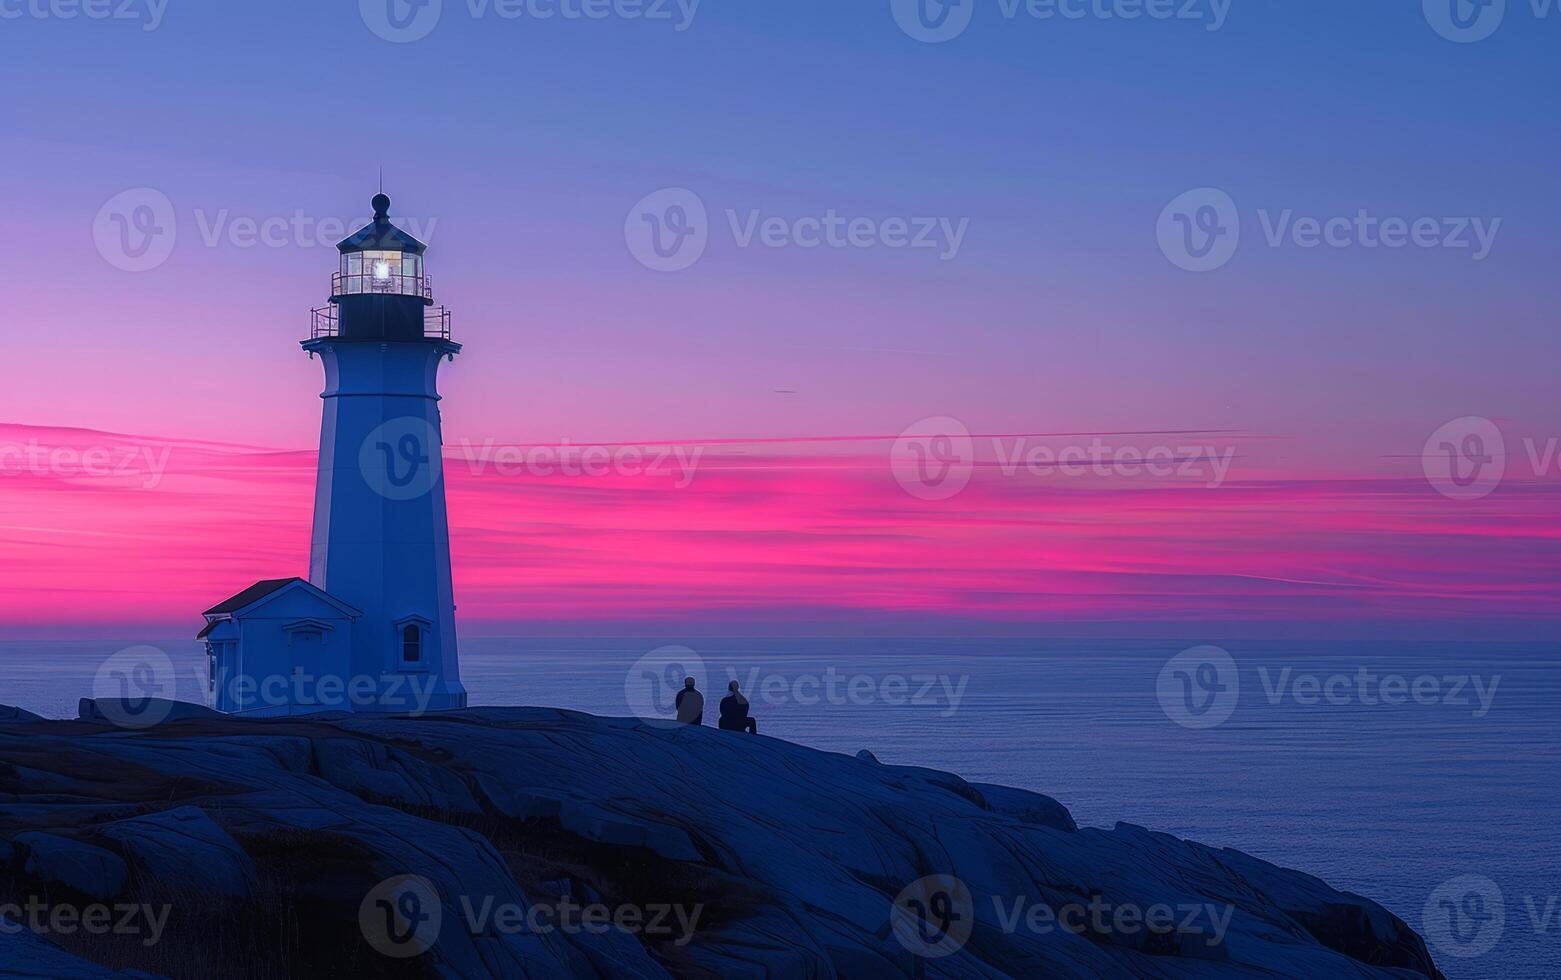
[[734, 712], [690, 704]]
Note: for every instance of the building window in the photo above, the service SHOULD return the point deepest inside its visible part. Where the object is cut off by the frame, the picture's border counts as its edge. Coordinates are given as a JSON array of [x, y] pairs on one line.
[[411, 644]]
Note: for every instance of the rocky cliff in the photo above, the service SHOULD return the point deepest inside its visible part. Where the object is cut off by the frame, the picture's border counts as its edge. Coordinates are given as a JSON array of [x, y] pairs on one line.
[[541, 843]]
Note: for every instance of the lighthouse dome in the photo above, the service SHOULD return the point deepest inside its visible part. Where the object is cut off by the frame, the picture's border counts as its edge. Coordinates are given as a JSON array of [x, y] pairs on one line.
[[380, 235]]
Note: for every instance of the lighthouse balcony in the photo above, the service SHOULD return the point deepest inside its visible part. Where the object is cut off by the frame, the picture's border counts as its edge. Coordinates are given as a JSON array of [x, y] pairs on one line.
[[327, 323], [380, 282]]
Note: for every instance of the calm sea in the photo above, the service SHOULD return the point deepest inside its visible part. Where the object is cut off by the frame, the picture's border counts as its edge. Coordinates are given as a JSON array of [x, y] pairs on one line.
[[1311, 769]]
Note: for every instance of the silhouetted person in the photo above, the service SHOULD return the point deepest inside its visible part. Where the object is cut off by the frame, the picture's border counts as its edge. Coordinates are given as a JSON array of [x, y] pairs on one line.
[[734, 712], [690, 704]]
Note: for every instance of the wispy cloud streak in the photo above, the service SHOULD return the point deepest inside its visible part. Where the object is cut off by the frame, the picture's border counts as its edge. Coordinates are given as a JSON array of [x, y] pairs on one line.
[[764, 529]]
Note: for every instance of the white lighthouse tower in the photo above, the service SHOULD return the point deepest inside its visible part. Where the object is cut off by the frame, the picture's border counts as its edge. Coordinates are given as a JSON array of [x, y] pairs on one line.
[[378, 608]]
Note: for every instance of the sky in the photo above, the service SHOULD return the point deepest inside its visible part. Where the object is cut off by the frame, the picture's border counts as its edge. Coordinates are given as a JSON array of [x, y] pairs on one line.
[[1044, 162]]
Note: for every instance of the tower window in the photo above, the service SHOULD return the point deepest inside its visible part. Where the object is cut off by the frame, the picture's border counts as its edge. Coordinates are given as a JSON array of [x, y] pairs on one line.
[[411, 644]]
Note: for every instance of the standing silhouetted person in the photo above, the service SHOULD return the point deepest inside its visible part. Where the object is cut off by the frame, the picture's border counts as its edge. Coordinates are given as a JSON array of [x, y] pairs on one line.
[[734, 712], [690, 704]]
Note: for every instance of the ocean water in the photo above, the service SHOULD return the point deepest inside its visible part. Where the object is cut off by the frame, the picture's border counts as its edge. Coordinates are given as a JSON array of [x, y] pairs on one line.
[[1312, 769]]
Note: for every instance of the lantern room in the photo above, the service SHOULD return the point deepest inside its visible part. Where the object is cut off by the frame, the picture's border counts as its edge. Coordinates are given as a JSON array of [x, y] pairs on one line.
[[381, 290]]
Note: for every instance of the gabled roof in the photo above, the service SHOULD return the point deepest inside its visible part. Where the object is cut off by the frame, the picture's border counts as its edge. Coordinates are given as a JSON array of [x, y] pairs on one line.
[[218, 628], [264, 590], [250, 595]]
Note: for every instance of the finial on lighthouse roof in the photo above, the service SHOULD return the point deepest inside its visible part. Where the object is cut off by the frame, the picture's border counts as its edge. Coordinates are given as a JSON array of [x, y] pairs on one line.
[[380, 235]]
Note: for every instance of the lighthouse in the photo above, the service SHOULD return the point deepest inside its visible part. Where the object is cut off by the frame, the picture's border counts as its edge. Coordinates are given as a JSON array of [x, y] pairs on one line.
[[375, 620]]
